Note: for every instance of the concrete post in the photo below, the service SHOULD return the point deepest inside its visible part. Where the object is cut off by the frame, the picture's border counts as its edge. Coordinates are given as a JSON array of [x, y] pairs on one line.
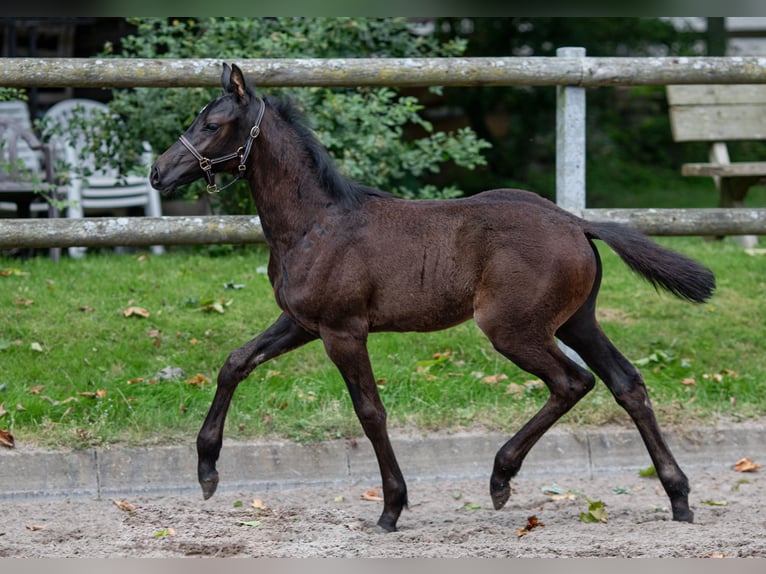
[[570, 152], [570, 140]]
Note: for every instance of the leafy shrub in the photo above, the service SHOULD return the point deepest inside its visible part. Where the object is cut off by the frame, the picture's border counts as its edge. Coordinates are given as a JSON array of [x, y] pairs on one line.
[[362, 128]]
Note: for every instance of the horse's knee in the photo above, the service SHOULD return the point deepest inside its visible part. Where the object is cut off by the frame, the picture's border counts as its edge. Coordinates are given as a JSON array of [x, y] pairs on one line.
[[233, 371]]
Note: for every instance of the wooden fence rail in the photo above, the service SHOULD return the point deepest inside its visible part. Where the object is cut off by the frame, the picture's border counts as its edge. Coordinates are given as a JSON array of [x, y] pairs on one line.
[[243, 229], [505, 71], [562, 70]]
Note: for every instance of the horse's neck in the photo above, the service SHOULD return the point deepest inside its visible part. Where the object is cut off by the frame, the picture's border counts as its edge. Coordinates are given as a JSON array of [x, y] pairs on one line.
[[287, 194]]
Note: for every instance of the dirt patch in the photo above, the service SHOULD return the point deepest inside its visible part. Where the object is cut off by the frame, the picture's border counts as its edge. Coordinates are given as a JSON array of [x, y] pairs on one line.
[[445, 519]]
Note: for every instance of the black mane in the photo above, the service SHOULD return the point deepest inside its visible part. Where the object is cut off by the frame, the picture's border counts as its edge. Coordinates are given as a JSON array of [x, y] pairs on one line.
[[345, 191]]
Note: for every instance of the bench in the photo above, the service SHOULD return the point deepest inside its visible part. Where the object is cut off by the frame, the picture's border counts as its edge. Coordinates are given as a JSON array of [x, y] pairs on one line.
[[717, 113]]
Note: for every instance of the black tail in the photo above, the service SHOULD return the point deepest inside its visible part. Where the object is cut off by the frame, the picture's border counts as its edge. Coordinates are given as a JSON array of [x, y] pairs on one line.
[[662, 267]]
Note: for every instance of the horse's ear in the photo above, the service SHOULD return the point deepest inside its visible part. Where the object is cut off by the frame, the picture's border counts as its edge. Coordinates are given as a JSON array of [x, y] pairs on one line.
[[225, 77], [233, 81]]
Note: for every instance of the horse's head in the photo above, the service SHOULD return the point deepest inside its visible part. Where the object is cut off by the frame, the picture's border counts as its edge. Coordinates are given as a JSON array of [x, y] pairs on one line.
[[220, 137]]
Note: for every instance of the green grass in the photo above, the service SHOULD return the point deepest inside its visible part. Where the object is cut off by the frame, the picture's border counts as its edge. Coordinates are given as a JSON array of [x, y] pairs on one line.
[[77, 372]]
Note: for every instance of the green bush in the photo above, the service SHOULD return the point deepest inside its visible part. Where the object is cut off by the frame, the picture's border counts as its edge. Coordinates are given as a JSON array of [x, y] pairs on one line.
[[362, 128]]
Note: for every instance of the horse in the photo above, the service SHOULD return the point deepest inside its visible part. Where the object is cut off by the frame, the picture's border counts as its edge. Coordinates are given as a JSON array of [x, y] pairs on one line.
[[347, 260]]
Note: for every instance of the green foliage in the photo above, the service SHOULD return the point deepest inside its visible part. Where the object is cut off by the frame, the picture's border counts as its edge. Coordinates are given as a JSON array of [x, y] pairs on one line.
[[623, 124], [363, 128], [12, 94]]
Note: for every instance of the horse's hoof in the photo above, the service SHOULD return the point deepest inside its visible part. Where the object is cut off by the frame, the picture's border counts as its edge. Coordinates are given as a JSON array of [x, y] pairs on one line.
[[500, 494], [683, 515], [386, 525], [209, 485]]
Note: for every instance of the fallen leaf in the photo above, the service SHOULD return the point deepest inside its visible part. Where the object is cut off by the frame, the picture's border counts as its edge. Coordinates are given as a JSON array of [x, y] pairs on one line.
[[647, 472], [494, 379], [532, 523], [198, 380], [36, 390], [2, 409], [258, 503], [746, 465], [596, 512], [164, 532], [514, 389], [24, 302], [688, 381], [98, 394], [122, 505], [472, 506], [217, 305], [250, 522], [35, 527], [372, 495], [714, 502], [137, 311], [11, 272], [556, 492], [740, 482], [6, 439], [36, 347], [85, 309]]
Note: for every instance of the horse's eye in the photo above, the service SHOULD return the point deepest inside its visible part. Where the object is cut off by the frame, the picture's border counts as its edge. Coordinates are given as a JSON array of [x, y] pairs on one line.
[[211, 127]]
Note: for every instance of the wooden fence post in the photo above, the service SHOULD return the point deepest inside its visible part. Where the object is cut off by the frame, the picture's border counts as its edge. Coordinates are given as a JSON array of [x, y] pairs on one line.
[[570, 140]]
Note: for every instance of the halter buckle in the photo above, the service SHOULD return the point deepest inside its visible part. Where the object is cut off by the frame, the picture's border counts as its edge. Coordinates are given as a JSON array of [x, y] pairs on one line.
[[213, 188], [205, 164]]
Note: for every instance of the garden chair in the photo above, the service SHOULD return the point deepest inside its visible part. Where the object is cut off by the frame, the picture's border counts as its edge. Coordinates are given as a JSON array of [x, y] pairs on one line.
[[20, 133], [88, 186], [26, 173]]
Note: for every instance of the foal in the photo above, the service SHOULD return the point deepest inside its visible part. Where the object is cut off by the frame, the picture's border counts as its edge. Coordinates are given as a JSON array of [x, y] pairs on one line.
[[347, 260]]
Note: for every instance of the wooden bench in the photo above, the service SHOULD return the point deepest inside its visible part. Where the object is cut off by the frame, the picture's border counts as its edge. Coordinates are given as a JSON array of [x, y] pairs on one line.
[[717, 113]]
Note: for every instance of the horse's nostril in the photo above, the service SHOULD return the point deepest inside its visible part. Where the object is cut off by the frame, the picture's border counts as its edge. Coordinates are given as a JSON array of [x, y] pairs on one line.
[[155, 175]]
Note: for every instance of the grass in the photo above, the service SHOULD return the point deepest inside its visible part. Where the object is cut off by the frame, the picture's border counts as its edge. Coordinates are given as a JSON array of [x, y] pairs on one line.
[[77, 372]]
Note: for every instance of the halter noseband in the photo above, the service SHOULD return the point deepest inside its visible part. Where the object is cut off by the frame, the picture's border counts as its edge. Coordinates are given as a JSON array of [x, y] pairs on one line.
[[206, 165]]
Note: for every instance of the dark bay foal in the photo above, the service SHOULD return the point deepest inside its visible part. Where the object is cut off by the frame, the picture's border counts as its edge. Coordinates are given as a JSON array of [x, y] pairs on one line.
[[347, 260]]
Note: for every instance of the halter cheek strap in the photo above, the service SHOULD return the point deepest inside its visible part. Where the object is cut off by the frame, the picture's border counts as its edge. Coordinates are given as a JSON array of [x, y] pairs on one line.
[[206, 164]]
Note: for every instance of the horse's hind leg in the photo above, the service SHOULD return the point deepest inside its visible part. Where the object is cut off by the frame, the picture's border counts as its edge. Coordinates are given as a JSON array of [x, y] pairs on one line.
[[566, 381], [585, 336], [283, 336]]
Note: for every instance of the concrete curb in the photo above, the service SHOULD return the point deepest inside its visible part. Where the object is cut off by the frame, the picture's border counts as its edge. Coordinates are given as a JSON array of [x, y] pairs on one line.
[[117, 471]]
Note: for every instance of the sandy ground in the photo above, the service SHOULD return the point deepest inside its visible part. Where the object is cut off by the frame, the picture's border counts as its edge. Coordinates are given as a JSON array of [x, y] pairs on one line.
[[445, 519]]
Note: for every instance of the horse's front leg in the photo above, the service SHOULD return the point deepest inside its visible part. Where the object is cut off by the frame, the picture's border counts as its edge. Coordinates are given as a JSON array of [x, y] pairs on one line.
[[283, 336], [349, 353]]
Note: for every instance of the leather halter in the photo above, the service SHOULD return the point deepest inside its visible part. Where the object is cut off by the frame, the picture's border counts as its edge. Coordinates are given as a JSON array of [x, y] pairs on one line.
[[206, 164]]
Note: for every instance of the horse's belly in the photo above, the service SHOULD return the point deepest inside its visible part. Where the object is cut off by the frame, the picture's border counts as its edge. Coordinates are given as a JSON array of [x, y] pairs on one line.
[[408, 311]]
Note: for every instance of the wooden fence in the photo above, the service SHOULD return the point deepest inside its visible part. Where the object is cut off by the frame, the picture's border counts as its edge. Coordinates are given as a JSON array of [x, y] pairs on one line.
[[565, 72]]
